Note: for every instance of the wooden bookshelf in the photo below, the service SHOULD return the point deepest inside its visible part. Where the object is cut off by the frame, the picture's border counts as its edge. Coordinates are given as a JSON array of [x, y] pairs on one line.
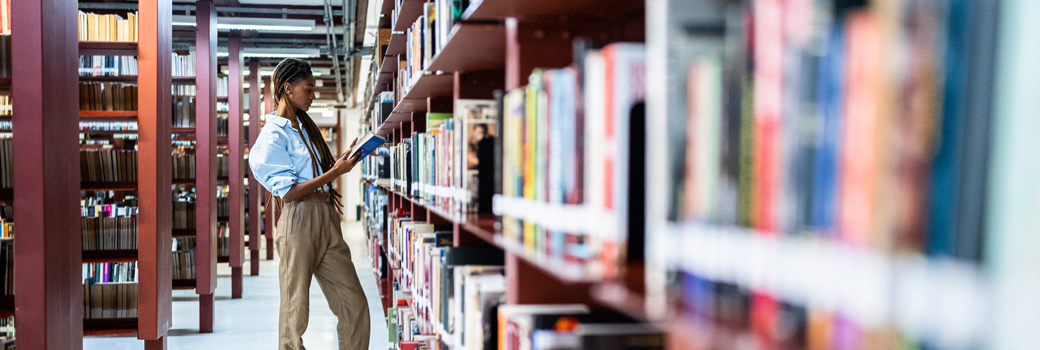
[[184, 284], [101, 48], [108, 114], [104, 256], [183, 232], [5, 81], [108, 186], [236, 151], [109, 78], [496, 47], [110, 326]]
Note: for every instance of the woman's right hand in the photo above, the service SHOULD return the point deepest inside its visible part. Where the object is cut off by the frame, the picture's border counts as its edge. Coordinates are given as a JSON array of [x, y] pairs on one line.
[[344, 164]]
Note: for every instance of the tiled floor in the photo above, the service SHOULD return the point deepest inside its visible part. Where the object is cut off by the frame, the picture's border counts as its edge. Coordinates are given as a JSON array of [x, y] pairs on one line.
[[251, 322]]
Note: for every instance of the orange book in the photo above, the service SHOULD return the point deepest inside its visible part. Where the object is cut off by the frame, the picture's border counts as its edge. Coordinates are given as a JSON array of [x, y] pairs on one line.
[[859, 154]]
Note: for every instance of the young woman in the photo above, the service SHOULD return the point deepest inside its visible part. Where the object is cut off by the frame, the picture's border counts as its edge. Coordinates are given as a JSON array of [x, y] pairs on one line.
[[292, 161]]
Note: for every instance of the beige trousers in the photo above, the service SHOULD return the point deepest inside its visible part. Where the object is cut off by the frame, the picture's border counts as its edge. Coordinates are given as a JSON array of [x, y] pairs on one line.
[[310, 242]]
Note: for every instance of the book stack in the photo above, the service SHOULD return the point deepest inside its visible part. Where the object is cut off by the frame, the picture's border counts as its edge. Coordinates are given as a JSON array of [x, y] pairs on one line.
[[223, 166], [183, 213], [109, 227], [95, 27], [183, 165], [7, 265], [551, 158], [6, 164], [108, 165], [99, 96], [183, 258], [184, 65], [107, 65]]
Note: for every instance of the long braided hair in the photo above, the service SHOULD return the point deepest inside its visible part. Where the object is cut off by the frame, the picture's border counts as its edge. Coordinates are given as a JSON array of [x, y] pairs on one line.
[[291, 71]]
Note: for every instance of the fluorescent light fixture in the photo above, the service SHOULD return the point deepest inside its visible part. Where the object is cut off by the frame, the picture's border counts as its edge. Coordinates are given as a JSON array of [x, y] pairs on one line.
[[257, 24], [276, 53]]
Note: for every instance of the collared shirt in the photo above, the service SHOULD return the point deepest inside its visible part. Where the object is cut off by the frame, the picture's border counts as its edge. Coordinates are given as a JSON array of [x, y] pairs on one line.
[[279, 158]]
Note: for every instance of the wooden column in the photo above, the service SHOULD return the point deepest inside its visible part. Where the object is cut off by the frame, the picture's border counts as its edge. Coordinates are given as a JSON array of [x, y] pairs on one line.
[[154, 172], [238, 171], [48, 249], [254, 186], [206, 160], [270, 215]]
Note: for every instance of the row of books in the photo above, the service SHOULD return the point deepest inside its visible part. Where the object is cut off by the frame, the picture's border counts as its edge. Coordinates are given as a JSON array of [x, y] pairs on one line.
[[95, 27], [6, 228], [223, 207], [98, 65], [452, 164], [222, 86], [6, 108], [109, 300], [183, 165], [6, 163], [223, 240], [184, 213], [6, 212], [7, 265], [109, 233], [183, 65], [183, 111], [558, 154], [184, 258], [428, 35], [108, 165], [101, 96], [796, 122], [108, 126], [110, 272], [449, 290], [7, 333]]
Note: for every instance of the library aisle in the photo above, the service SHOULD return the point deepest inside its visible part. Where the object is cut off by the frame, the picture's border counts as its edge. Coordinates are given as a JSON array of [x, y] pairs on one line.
[[251, 322]]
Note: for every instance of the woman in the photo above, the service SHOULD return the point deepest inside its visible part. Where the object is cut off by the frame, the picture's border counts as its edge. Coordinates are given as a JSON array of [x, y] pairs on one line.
[[309, 241]]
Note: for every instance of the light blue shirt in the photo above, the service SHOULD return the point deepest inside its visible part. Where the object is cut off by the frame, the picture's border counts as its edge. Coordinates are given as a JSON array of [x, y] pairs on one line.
[[279, 157]]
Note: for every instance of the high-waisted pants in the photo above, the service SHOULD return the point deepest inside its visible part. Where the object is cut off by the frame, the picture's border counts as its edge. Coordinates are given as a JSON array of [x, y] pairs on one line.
[[310, 243]]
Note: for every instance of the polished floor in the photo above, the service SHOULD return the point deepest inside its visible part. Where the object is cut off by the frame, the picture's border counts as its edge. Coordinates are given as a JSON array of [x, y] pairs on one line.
[[252, 322]]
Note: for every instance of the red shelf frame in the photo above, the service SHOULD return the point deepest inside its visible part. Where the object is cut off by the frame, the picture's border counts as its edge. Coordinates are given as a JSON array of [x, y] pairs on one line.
[[107, 48], [108, 114], [104, 256]]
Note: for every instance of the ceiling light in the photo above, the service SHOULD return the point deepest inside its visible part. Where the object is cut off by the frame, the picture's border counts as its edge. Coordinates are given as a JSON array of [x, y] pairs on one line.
[[257, 24]]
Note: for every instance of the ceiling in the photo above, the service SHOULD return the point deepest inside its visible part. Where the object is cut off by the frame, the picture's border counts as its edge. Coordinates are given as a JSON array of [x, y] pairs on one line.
[[184, 37]]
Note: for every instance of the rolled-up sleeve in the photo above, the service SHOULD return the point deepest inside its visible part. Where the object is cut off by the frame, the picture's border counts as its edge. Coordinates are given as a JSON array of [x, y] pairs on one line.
[[271, 165]]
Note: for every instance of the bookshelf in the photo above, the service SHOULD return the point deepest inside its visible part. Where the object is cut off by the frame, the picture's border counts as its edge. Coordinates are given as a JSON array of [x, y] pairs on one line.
[[495, 45]]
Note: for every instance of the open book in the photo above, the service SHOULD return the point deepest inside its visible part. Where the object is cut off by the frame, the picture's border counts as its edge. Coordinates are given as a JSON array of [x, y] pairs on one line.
[[366, 144]]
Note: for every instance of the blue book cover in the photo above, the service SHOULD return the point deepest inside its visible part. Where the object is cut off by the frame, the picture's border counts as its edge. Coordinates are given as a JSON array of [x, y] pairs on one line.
[[366, 145], [825, 178]]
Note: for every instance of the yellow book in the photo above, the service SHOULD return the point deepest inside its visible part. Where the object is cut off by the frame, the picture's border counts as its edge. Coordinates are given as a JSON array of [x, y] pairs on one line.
[[530, 144]]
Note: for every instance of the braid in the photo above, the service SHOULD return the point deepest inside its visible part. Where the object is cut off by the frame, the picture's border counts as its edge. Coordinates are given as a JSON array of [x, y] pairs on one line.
[[291, 71]]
